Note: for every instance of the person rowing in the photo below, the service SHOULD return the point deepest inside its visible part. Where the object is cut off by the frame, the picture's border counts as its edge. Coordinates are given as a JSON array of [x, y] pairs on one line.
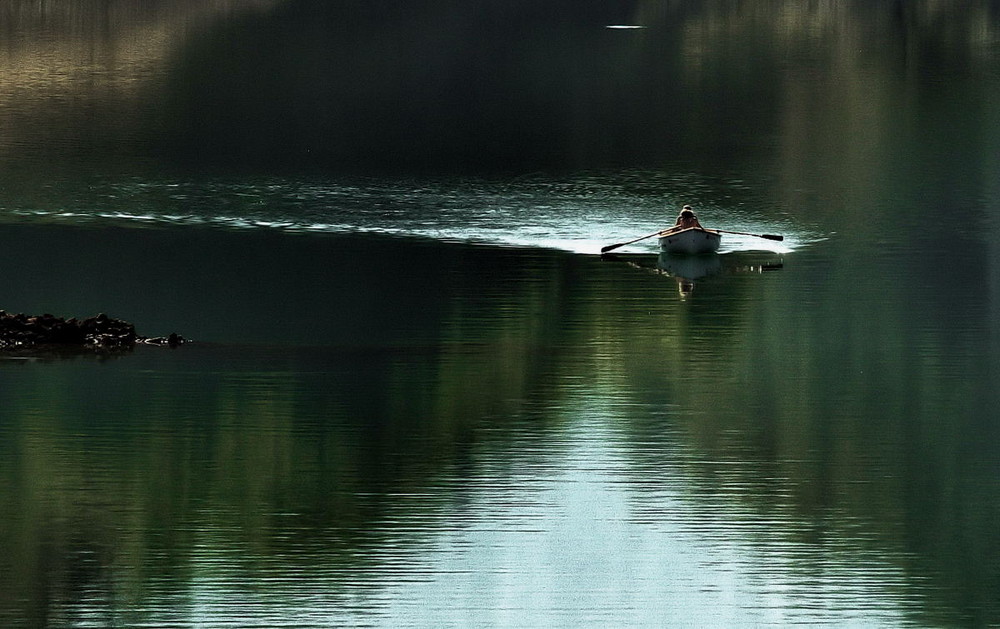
[[688, 220], [685, 220], [687, 236]]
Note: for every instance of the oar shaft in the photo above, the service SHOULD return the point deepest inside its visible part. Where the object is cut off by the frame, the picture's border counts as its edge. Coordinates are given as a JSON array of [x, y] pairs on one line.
[[629, 242], [767, 236]]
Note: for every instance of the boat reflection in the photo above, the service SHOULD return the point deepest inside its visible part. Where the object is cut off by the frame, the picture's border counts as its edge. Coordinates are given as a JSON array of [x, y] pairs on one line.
[[686, 270]]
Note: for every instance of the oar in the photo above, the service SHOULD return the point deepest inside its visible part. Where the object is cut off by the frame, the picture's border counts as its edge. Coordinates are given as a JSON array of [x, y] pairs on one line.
[[622, 244], [768, 236]]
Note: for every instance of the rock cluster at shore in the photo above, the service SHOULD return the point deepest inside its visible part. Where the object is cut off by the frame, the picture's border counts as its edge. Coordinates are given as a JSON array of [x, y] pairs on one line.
[[23, 331]]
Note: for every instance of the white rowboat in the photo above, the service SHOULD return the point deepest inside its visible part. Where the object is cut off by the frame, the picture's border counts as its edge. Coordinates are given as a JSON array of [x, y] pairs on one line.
[[691, 241]]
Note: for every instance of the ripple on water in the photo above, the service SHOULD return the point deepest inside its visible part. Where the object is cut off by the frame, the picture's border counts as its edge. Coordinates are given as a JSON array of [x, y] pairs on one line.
[[579, 215]]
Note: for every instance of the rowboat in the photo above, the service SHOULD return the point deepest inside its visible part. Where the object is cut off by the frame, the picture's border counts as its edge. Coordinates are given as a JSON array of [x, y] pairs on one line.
[[692, 240]]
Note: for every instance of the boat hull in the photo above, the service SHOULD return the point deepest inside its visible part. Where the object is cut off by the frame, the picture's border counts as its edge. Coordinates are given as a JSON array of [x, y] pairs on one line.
[[691, 241]]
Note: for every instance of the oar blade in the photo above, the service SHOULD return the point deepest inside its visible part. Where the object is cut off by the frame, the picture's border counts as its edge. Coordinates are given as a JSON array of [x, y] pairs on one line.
[[772, 237]]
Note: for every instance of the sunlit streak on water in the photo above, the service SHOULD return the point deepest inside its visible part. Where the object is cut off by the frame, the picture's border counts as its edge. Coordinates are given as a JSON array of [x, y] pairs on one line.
[[583, 525], [579, 215]]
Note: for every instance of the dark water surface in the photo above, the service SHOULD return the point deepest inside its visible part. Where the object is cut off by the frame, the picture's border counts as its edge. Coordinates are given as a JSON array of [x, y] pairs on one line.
[[416, 397]]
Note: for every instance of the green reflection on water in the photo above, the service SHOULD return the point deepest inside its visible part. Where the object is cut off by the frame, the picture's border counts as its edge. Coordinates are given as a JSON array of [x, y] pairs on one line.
[[860, 422]]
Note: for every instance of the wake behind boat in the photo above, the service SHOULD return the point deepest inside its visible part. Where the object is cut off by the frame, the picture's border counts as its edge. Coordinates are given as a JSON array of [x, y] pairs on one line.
[[693, 240]]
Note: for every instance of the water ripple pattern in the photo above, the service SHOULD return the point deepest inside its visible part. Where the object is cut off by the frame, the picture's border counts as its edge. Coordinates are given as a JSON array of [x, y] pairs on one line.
[[578, 214]]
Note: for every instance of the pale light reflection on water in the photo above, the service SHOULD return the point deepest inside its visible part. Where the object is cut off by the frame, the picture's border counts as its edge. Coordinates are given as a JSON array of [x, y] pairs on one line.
[[579, 214], [575, 524], [571, 442], [631, 550]]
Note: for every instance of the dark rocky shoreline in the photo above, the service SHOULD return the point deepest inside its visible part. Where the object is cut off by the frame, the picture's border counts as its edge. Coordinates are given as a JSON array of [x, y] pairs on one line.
[[20, 331]]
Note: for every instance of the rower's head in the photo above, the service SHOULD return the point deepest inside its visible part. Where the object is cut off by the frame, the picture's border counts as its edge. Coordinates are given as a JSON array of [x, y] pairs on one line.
[[687, 212]]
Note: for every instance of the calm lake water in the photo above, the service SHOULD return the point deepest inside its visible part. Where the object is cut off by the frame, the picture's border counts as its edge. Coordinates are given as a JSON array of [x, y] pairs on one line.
[[416, 395]]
